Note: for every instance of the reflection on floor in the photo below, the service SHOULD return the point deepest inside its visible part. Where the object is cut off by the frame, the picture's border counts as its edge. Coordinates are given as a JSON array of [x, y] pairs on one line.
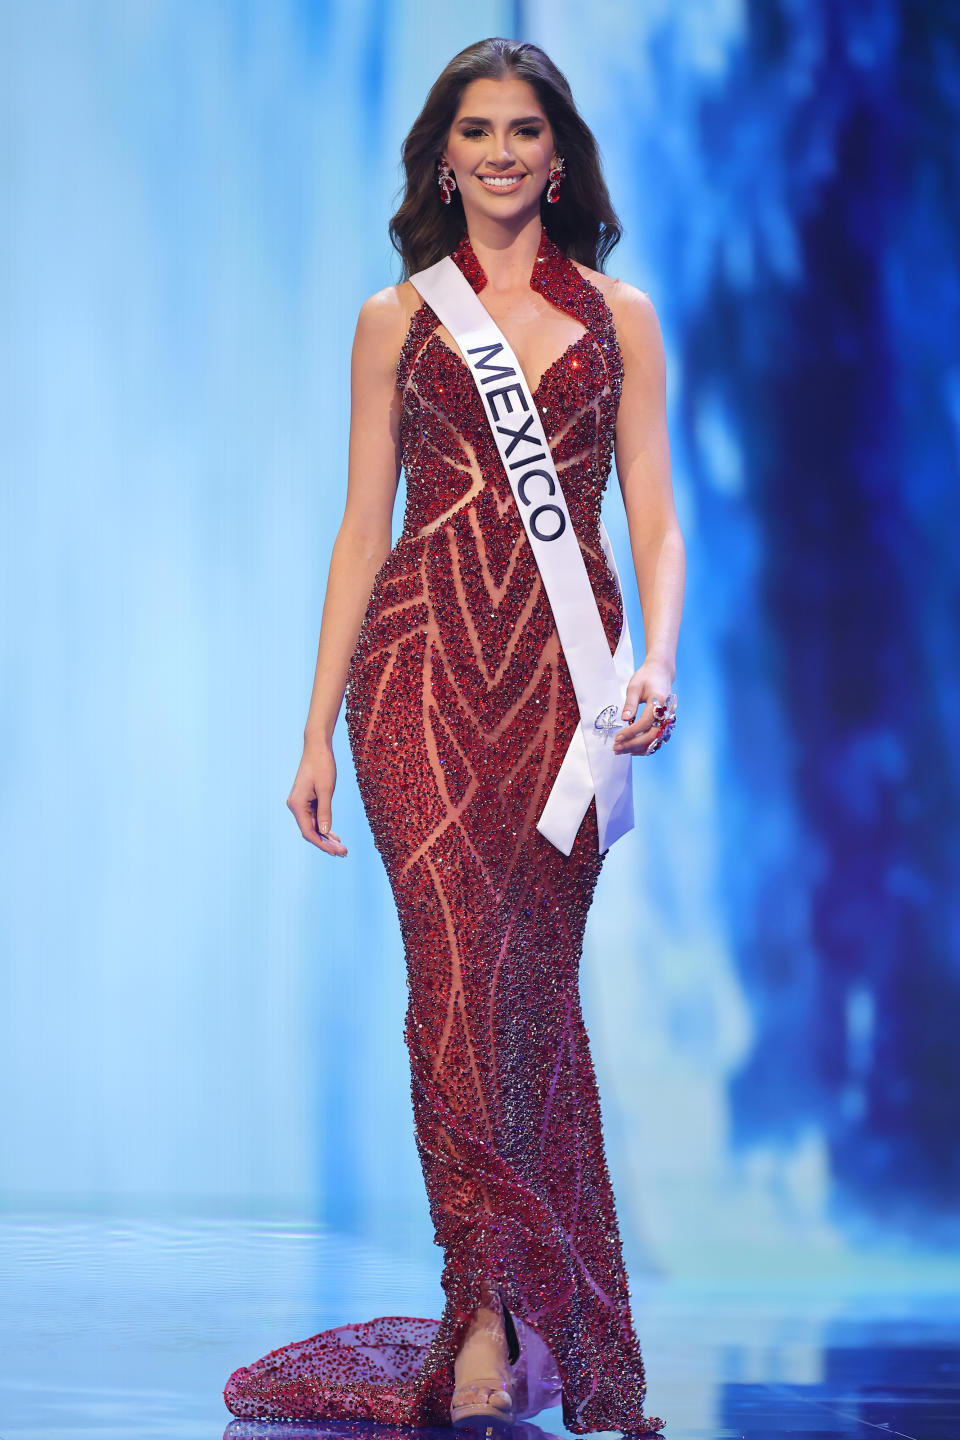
[[129, 1327]]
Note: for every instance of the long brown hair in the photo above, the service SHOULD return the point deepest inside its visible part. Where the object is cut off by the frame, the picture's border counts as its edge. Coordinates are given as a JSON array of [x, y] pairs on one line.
[[583, 222]]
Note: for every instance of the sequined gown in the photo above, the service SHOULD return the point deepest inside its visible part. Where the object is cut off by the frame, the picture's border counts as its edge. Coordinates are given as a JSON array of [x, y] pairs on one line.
[[459, 708]]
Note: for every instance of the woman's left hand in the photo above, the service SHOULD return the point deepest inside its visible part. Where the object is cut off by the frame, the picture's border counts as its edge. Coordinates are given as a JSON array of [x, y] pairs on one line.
[[652, 682]]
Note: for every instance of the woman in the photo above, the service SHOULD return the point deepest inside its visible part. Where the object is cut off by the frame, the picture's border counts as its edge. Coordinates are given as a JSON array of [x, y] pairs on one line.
[[459, 708]]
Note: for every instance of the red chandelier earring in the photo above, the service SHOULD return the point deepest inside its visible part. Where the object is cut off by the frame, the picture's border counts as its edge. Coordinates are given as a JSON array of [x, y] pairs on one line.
[[556, 175], [446, 180]]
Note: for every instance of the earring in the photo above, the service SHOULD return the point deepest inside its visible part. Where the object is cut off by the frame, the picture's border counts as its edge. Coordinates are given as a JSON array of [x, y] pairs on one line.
[[556, 175], [446, 180]]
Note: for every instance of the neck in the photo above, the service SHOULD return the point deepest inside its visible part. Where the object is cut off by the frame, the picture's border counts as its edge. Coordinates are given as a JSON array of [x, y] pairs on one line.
[[506, 255]]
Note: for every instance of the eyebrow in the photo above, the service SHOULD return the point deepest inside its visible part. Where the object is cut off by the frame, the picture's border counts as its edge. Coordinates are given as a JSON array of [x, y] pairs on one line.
[[482, 120]]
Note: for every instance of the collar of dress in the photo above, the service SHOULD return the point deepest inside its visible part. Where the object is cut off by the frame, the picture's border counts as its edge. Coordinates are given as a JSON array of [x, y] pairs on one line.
[[550, 265]]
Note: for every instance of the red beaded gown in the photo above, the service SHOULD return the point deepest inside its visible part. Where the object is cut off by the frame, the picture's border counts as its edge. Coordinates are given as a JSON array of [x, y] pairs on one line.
[[459, 708]]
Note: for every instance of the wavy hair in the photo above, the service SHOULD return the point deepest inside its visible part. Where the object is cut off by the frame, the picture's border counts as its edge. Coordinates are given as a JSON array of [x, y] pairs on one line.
[[583, 222]]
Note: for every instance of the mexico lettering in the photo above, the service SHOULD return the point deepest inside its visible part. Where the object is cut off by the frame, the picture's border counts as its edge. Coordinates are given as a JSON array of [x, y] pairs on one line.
[[546, 514]]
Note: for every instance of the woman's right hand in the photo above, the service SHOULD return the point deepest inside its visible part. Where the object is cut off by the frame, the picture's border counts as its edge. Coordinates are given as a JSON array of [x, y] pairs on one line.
[[311, 796]]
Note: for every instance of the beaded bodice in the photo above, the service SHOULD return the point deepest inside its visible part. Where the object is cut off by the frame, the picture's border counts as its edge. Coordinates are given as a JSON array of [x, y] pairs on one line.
[[449, 456]]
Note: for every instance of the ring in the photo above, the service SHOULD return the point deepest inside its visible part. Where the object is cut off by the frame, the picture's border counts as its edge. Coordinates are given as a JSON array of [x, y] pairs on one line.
[[667, 707]]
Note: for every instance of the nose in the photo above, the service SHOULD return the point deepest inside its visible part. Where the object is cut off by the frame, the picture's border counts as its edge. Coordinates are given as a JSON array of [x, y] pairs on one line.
[[501, 155]]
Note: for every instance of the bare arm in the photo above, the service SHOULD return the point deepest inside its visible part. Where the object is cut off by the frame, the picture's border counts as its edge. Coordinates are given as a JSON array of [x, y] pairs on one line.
[[643, 465], [361, 546]]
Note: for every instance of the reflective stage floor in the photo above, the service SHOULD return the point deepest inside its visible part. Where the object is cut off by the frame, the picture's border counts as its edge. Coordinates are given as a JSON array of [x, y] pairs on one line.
[[116, 1327]]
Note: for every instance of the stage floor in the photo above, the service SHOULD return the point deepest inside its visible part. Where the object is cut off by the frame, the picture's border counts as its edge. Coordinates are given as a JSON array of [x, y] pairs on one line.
[[129, 1327]]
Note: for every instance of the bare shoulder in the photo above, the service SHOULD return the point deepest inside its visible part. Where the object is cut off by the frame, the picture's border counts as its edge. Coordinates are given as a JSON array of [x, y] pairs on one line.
[[382, 312], [382, 322], [634, 316], [604, 283], [633, 311]]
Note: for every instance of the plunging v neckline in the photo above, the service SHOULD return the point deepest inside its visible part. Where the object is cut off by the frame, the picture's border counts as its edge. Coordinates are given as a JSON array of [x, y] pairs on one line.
[[465, 258], [535, 391]]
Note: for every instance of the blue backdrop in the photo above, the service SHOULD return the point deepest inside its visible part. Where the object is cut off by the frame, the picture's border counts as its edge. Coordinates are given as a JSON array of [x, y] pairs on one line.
[[202, 1013]]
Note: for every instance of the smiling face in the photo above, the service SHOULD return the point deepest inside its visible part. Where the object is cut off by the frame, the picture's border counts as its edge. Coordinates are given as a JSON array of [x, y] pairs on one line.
[[500, 149]]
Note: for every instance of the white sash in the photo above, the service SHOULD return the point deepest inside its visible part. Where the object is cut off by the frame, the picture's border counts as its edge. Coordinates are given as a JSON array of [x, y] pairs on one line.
[[590, 765]]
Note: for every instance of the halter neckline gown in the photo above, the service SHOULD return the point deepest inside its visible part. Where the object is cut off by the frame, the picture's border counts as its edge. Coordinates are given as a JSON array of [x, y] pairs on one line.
[[459, 709]]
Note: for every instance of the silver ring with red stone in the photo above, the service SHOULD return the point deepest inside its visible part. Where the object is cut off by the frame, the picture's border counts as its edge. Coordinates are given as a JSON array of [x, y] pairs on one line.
[[666, 709], [666, 712]]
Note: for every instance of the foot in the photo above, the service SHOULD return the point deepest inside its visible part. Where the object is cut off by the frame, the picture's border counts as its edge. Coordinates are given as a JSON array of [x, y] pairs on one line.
[[483, 1379]]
